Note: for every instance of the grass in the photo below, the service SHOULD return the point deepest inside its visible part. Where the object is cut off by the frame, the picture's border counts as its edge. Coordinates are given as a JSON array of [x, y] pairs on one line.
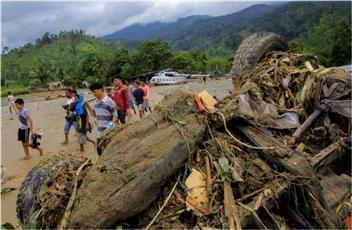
[[15, 90]]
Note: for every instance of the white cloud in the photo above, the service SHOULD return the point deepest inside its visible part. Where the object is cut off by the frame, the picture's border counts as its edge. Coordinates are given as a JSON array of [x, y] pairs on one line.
[[24, 22]]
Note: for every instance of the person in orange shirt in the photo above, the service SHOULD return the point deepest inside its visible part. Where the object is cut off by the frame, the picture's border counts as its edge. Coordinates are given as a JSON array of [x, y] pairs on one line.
[[146, 97]]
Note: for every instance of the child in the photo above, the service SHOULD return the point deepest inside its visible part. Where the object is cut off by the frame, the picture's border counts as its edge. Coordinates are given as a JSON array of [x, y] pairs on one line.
[[11, 101], [26, 126], [138, 94]]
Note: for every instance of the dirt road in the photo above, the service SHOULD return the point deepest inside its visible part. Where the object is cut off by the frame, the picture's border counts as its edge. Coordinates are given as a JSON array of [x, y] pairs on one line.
[[49, 116]]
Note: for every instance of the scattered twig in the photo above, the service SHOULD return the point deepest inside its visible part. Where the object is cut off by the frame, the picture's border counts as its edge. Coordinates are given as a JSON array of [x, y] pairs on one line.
[[162, 207], [209, 179], [230, 208]]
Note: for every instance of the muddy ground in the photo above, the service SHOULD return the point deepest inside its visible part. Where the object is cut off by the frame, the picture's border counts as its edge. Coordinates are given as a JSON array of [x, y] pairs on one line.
[[49, 116]]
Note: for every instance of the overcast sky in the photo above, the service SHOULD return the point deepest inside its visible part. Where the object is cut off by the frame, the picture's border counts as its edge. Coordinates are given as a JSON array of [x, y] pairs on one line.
[[24, 22]]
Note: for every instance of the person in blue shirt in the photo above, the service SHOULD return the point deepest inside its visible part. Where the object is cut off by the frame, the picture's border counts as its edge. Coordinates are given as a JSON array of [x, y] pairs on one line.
[[83, 126]]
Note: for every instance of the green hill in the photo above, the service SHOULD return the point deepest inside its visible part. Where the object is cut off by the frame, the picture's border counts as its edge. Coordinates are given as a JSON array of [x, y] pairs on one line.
[[293, 20], [69, 57], [319, 28]]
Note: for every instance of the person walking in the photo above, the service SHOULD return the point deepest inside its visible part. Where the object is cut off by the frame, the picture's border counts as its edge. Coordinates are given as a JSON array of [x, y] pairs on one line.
[[25, 129], [146, 98], [70, 119], [130, 96], [11, 102], [104, 111], [82, 118], [120, 97], [138, 94]]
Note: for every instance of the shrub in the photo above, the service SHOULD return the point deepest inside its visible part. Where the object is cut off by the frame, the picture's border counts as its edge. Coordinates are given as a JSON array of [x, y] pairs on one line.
[[35, 82]]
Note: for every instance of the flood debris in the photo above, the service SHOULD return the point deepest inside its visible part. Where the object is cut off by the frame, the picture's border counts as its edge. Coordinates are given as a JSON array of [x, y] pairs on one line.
[[54, 95], [273, 154]]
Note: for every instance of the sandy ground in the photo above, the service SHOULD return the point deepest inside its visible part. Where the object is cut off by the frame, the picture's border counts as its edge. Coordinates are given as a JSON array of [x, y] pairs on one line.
[[49, 117]]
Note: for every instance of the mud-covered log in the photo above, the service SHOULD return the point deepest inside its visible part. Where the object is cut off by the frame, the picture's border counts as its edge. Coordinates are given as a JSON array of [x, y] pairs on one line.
[[137, 162]]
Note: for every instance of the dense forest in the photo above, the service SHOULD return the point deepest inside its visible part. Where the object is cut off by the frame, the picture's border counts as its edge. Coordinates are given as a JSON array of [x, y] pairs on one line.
[[72, 57], [319, 28]]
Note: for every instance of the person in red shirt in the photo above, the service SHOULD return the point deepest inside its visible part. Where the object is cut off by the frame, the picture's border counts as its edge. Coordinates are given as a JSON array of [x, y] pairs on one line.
[[146, 97], [120, 97]]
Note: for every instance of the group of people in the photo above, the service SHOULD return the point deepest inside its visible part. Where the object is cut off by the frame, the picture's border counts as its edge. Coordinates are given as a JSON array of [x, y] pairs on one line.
[[109, 108], [126, 96]]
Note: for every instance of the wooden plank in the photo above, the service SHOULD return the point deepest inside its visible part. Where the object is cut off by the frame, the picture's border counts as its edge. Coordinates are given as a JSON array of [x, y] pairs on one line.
[[327, 155], [208, 100]]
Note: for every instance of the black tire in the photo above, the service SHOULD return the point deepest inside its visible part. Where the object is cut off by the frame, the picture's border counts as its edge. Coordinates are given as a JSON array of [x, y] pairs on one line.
[[27, 199], [252, 49]]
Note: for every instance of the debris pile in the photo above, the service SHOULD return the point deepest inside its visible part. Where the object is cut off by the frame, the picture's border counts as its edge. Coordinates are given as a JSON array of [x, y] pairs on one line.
[[273, 154], [254, 171]]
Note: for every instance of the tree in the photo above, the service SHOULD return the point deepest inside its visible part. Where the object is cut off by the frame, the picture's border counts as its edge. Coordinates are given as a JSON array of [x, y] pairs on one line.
[[42, 71], [341, 49], [182, 61], [220, 63], [154, 55], [5, 49], [120, 58], [330, 40], [94, 64]]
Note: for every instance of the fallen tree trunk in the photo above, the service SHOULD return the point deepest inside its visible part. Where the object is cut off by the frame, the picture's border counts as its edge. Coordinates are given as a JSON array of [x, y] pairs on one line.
[[137, 162]]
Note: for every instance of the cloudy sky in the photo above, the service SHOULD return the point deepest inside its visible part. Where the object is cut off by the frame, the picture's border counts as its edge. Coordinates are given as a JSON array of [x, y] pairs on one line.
[[24, 22]]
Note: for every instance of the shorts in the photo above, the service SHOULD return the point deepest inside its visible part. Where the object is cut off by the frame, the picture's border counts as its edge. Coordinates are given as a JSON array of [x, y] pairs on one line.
[[146, 104], [141, 107], [68, 125], [122, 116], [23, 135]]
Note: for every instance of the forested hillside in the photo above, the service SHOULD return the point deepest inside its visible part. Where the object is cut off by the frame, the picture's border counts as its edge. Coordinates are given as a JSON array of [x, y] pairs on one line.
[[318, 28], [72, 57]]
